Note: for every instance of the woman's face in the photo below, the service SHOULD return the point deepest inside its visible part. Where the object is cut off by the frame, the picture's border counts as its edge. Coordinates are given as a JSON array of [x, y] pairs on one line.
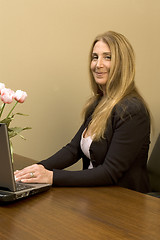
[[100, 63]]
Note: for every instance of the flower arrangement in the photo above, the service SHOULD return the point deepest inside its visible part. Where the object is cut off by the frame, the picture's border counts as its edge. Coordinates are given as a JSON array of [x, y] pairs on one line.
[[7, 96]]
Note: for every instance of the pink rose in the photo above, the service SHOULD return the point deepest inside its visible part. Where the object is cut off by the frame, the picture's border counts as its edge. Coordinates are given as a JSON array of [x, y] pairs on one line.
[[20, 96], [2, 85], [7, 95]]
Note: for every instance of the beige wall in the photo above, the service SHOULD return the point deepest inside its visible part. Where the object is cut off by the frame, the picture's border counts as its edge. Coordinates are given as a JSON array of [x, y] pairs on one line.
[[44, 47]]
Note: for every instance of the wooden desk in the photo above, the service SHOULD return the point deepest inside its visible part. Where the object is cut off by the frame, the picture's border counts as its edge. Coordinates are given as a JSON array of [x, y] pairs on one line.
[[107, 213]]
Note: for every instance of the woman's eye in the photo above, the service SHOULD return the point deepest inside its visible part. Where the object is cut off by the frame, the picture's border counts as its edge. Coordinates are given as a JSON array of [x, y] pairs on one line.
[[94, 57], [108, 57]]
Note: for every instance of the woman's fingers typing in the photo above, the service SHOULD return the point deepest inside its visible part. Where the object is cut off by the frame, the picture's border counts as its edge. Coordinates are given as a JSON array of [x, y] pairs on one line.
[[34, 174]]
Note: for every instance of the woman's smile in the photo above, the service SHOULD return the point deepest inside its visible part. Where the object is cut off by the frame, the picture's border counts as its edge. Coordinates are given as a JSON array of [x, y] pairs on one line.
[[100, 74]]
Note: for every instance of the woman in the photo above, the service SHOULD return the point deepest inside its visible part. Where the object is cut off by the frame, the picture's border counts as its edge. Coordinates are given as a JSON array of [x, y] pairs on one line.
[[114, 138]]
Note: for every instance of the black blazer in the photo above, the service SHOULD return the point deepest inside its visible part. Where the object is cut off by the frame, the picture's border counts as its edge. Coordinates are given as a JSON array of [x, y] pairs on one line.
[[118, 159]]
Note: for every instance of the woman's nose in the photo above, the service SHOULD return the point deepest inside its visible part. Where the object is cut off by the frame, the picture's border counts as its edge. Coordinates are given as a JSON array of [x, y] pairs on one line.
[[100, 62]]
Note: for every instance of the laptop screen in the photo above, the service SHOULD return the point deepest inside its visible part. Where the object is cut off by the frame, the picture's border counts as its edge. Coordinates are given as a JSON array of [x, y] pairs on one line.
[[6, 166]]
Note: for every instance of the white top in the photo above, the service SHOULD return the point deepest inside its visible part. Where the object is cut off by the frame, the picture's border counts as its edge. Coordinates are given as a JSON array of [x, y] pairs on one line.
[[85, 144]]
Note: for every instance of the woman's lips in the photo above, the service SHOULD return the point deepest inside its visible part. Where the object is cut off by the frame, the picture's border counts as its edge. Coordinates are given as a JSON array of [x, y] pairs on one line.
[[100, 74]]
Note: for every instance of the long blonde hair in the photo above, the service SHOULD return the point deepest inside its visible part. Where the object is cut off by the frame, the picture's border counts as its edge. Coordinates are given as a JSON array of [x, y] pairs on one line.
[[120, 82]]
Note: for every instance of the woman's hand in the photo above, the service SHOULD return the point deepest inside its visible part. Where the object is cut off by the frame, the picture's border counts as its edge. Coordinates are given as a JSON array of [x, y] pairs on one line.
[[34, 174]]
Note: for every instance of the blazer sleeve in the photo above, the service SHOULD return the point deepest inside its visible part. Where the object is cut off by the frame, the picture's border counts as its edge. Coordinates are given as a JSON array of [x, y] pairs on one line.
[[130, 132]]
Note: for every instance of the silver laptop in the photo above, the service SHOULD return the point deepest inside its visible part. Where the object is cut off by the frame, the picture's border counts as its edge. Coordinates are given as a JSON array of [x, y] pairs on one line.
[[10, 190]]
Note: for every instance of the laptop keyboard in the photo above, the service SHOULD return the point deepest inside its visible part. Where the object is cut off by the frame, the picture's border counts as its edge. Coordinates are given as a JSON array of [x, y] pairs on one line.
[[22, 186]]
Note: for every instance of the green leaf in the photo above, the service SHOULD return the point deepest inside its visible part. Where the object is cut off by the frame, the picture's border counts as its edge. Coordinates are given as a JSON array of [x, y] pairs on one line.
[[22, 137], [7, 121], [12, 132], [21, 114]]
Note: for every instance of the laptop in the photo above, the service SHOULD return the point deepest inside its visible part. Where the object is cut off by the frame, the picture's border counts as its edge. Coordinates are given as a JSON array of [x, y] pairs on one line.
[[10, 190]]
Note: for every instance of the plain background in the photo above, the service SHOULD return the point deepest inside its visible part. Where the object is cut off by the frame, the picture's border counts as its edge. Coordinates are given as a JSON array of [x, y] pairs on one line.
[[44, 48]]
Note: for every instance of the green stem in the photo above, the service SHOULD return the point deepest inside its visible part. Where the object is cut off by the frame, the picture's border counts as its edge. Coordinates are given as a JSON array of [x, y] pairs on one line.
[[12, 109], [2, 109]]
